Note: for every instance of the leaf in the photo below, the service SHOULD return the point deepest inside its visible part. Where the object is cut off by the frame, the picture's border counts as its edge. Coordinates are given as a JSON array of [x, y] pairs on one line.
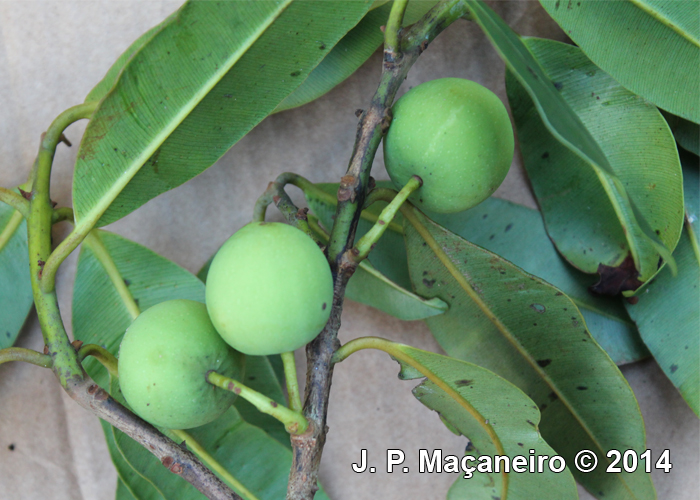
[[667, 313], [368, 285], [204, 80], [587, 229], [567, 127], [253, 457], [15, 285], [652, 47], [687, 133], [351, 52], [105, 85], [517, 234], [533, 335], [463, 395]]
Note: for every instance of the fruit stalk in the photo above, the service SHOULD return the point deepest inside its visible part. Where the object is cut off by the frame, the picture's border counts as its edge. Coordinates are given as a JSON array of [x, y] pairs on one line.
[[294, 422], [374, 123]]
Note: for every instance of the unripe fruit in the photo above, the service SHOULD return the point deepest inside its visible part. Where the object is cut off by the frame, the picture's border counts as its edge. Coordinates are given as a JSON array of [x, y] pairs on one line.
[[163, 361], [457, 136], [269, 289]]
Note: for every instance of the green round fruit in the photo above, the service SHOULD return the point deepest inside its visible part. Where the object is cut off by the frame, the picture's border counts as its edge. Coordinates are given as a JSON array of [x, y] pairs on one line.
[[269, 289], [456, 135], [163, 361]]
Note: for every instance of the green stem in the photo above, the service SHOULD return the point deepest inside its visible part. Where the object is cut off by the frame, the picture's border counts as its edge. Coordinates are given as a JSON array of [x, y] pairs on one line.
[[62, 214], [26, 355], [290, 376], [294, 422], [102, 355], [393, 26], [15, 200], [41, 206], [213, 464], [65, 361], [367, 242], [276, 194]]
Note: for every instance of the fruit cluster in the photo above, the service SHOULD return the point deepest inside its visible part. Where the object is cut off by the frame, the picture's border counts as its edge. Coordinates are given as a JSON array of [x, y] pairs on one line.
[[269, 288]]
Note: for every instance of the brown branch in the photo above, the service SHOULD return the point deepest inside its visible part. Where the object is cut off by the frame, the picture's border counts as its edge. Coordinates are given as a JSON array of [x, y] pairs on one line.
[[175, 458], [308, 447]]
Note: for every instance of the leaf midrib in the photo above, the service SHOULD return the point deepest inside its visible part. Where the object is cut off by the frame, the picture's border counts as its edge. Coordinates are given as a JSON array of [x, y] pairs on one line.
[[94, 214], [459, 278], [652, 12]]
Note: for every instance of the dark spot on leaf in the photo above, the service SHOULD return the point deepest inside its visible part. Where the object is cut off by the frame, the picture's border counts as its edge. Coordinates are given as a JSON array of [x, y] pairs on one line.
[[428, 283], [558, 85], [614, 280], [674, 368], [520, 444], [252, 377], [509, 227], [127, 282], [295, 73], [228, 96], [469, 447], [462, 383], [492, 236], [531, 423], [545, 155], [8, 335], [558, 294], [544, 362], [582, 388], [553, 396], [543, 407]]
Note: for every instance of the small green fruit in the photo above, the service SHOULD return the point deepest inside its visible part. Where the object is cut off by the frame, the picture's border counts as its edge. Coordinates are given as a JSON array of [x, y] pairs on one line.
[[454, 134], [163, 361], [269, 289]]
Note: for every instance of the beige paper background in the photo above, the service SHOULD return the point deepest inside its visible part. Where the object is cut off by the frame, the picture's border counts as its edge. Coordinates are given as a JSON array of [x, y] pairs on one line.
[[51, 54]]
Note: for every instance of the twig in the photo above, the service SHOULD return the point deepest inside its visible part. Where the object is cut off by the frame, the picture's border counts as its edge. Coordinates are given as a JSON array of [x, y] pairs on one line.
[[374, 122]]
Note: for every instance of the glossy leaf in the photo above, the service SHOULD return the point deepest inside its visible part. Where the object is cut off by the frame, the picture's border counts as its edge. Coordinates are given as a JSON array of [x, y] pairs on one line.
[[652, 47], [15, 287], [529, 332], [463, 395], [351, 52], [668, 311], [517, 234], [565, 124], [687, 133], [587, 228], [192, 91]]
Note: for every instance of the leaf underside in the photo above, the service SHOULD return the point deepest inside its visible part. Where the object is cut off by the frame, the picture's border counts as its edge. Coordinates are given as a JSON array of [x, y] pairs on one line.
[[533, 335], [582, 220], [652, 47]]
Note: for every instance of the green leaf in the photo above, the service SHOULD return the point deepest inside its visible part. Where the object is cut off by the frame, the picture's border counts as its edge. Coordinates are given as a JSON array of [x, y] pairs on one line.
[[369, 285], [15, 286], [687, 133], [667, 313], [567, 127], [105, 85], [529, 332], [204, 80], [463, 395], [587, 228], [351, 52], [253, 457], [652, 47], [115, 280], [517, 234], [123, 492]]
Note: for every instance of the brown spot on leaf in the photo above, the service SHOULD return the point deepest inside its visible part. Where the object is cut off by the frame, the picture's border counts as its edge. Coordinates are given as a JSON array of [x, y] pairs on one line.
[[614, 280], [428, 283], [543, 362], [464, 382], [674, 368]]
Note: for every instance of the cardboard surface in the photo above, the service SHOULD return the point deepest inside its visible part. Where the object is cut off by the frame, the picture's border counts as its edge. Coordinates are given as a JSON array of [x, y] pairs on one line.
[[51, 54]]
